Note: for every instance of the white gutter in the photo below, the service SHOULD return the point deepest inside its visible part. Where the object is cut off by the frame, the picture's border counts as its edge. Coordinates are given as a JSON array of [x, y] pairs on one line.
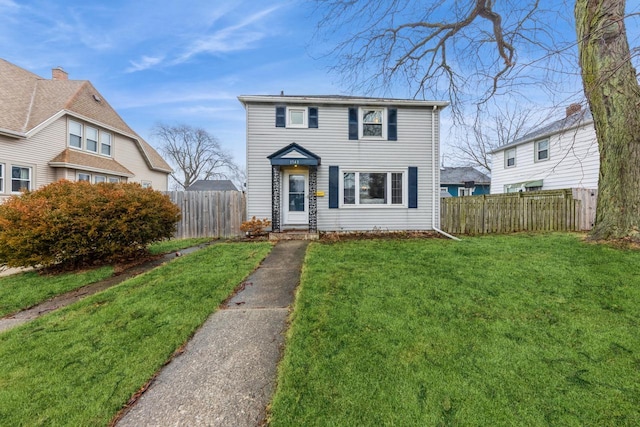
[[436, 185]]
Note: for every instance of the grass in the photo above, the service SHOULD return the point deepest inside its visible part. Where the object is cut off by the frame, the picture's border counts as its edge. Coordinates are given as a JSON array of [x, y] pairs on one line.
[[173, 245], [79, 365], [501, 331], [23, 290]]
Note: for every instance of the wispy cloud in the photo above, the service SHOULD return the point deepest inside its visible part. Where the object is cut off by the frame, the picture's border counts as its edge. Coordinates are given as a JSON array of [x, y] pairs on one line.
[[236, 37], [144, 63]]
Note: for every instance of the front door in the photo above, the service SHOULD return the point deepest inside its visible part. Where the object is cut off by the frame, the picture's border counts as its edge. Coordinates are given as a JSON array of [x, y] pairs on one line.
[[295, 200]]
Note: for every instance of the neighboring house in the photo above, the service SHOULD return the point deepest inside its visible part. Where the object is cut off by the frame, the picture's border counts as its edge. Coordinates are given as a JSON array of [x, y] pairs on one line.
[[463, 181], [64, 129], [563, 154], [212, 185], [334, 163]]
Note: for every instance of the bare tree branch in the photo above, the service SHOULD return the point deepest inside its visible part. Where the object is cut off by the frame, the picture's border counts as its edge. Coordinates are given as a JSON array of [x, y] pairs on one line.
[[195, 153]]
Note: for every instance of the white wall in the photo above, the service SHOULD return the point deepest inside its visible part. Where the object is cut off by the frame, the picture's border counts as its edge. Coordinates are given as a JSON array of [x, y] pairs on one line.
[[573, 162]]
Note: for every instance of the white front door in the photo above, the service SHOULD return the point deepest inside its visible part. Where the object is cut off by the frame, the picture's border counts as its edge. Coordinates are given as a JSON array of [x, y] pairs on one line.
[[295, 201]]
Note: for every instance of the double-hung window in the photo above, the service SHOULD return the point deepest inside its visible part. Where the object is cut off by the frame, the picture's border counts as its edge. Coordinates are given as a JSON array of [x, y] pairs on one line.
[[510, 158], [92, 139], [105, 143], [88, 138], [542, 150], [1, 178], [372, 120], [373, 188], [75, 134], [20, 178]]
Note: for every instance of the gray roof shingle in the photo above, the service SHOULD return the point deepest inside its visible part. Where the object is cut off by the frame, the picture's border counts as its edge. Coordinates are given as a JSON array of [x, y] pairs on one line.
[[460, 175]]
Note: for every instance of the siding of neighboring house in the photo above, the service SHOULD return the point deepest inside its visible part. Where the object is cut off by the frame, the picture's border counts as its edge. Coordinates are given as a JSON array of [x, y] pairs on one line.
[[126, 152], [37, 111], [573, 162], [414, 148], [453, 189]]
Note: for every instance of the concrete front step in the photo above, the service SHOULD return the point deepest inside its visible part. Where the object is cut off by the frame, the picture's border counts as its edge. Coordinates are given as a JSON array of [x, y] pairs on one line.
[[293, 235]]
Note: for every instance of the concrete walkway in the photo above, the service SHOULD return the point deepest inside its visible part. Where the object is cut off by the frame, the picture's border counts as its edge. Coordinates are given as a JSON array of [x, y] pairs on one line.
[[226, 375]]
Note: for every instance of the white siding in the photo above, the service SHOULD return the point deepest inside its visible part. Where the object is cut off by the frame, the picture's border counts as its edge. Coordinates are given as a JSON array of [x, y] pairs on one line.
[[126, 152], [330, 142], [573, 163], [34, 152]]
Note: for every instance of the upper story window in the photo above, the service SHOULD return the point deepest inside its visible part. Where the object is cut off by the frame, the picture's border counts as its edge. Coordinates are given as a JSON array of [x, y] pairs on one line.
[[20, 178], [92, 139], [510, 158], [542, 150], [105, 143], [75, 134], [373, 123], [296, 117], [89, 138]]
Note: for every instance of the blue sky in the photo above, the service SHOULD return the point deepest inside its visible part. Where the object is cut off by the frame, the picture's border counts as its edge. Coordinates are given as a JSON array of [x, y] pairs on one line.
[[172, 62], [187, 62]]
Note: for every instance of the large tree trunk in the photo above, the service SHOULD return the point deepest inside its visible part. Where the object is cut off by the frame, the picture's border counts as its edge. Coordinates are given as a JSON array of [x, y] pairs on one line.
[[613, 93]]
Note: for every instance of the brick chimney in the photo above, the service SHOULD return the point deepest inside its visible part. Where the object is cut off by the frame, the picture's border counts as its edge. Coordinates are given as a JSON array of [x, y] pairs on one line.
[[573, 108], [59, 74]]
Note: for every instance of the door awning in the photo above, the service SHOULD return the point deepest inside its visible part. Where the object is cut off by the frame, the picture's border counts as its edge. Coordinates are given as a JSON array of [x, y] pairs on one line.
[[294, 155]]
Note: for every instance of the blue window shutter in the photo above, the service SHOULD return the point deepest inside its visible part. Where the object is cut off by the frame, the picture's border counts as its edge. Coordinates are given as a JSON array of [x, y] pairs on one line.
[[313, 117], [392, 124], [413, 187], [334, 187], [280, 117], [353, 123]]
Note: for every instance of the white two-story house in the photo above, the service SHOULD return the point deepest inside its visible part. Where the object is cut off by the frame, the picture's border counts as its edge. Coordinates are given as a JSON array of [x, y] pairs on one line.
[[337, 163], [563, 154]]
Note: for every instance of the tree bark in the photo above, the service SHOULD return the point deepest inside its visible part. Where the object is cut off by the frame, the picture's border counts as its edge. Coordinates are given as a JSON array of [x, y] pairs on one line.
[[612, 90]]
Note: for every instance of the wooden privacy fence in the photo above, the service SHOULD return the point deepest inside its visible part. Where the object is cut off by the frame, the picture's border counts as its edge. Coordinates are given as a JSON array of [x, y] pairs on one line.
[[552, 210], [216, 214]]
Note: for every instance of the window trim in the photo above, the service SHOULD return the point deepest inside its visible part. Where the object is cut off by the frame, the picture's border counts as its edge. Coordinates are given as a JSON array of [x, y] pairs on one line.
[[507, 158], [388, 205], [462, 190], [2, 177], [102, 178], [30, 180], [537, 150]]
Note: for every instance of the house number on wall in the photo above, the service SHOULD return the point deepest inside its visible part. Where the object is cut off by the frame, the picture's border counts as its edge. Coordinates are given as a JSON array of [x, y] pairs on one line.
[[294, 162]]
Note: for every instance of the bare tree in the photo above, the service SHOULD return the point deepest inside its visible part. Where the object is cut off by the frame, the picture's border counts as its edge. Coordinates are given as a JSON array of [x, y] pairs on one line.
[[490, 130], [477, 50], [194, 152]]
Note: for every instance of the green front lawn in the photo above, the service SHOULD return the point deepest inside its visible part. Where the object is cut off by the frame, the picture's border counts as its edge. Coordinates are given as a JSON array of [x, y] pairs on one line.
[[491, 331], [23, 290], [79, 365]]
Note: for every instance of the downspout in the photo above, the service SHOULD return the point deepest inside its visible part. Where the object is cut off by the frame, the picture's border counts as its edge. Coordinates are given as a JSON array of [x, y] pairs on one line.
[[436, 185]]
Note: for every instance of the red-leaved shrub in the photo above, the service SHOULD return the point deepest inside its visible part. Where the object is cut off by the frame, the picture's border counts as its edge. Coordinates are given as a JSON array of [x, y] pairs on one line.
[[70, 224]]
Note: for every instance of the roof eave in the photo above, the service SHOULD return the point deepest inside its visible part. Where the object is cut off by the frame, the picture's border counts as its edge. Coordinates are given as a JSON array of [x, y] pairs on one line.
[[541, 136], [89, 168], [275, 99], [12, 133]]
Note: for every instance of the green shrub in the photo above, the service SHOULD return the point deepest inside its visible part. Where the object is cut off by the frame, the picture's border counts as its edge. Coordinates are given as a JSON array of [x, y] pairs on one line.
[[70, 224]]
